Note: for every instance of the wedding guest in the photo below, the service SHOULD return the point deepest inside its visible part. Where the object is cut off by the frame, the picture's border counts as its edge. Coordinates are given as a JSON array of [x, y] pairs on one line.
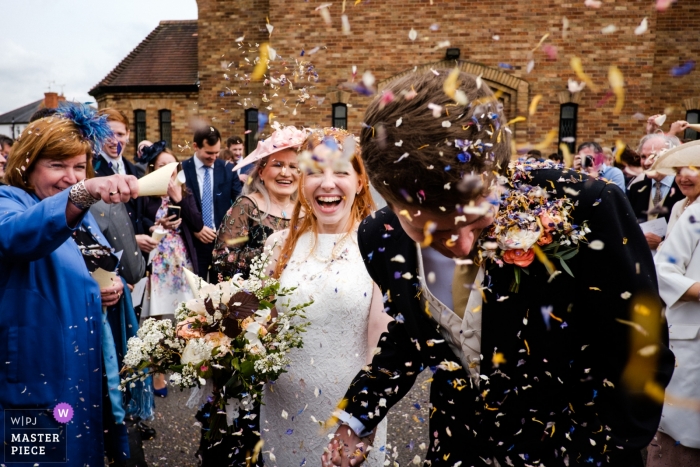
[[175, 215], [547, 367], [631, 166], [678, 268], [235, 145], [51, 317], [5, 147], [214, 186], [682, 163], [265, 206], [226, 156], [592, 159], [653, 195], [321, 258]]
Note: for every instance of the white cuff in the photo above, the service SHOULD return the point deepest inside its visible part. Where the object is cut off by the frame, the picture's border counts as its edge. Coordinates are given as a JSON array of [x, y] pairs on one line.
[[356, 425]]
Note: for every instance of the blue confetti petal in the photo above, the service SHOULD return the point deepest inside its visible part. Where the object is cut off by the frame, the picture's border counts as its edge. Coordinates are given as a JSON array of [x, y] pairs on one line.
[[684, 69]]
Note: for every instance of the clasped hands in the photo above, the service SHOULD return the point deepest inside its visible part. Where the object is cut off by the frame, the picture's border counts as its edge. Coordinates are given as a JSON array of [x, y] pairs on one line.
[[346, 449]]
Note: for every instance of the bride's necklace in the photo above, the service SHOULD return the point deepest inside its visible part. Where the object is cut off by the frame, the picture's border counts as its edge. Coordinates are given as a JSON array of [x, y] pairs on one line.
[[335, 252]]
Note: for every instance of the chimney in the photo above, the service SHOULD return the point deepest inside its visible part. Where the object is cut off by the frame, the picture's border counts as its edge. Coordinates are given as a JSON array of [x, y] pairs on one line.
[[51, 100]]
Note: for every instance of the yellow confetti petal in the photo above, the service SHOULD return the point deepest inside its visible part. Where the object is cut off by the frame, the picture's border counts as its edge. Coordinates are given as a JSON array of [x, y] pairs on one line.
[[577, 66], [617, 83], [498, 358], [450, 84], [405, 214], [516, 120], [542, 257], [619, 149], [261, 66], [533, 104]]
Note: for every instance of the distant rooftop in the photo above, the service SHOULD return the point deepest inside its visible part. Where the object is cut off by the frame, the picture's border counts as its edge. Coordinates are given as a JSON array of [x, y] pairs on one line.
[[166, 60], [22, 114]]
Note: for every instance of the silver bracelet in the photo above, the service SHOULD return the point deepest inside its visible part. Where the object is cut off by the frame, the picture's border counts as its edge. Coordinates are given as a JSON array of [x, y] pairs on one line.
[[81, 197]]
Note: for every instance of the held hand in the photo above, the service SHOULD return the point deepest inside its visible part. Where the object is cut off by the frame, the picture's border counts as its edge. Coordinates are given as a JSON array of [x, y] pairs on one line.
[[146, 243], [577, 162], [653, 240], [170, 222], [111, 295], [113, 189], [345, 450], [174, 190], [206, 235], [651, 124], [678, 127]]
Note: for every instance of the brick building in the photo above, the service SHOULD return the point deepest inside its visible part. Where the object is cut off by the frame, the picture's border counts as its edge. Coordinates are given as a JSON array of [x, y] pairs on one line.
[[201, 69]]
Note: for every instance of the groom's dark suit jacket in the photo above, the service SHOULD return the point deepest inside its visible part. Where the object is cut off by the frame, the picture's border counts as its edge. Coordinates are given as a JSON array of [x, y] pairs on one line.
[[559, 397]]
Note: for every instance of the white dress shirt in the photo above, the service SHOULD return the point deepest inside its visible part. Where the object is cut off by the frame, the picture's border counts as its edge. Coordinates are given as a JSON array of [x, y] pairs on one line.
[[199, 166], [116, 164]]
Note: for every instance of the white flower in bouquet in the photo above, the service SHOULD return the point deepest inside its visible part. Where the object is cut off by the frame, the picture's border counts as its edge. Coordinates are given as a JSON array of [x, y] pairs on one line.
[[516, 238], [196, 351]]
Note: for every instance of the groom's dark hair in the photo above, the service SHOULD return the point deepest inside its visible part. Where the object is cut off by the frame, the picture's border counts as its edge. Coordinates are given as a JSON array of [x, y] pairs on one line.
[[416, 158]]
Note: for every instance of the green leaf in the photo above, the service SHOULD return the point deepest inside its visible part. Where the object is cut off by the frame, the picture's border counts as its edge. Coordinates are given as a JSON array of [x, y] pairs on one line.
[[516, 271], [569, 254], [566, 267]]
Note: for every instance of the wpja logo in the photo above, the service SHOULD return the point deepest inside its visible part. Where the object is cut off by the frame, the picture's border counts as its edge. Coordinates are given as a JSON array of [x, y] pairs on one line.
[[33, 435]]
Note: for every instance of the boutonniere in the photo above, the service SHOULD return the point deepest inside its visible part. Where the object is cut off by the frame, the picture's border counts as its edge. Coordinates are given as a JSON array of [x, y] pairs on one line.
[[530, 224]]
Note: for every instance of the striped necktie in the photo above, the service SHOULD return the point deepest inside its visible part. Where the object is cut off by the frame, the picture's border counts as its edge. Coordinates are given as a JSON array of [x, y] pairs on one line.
[[657, 195], [207, 199]]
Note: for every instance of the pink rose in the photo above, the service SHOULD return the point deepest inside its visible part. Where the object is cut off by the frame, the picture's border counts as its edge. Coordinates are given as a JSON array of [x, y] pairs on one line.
[[185, 329]]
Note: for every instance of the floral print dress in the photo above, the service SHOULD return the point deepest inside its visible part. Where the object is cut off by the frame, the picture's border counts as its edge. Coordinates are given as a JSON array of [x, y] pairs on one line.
[[168, 285], [243, 219]]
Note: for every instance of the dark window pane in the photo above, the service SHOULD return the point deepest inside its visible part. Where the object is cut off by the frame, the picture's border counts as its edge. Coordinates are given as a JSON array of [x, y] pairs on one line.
[[340, 116], [251, 128], [166, 132], [692, 116], [568, 118], [140, 127]]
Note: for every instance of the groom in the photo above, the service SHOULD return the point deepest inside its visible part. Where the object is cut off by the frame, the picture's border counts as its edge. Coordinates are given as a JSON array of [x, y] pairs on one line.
[[569, 370]]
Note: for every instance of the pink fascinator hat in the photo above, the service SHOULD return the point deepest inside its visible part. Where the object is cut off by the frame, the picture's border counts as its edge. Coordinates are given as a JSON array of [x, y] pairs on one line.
[[282, 138]]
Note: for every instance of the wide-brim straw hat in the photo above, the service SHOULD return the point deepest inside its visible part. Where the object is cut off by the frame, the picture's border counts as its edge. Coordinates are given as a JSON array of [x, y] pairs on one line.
[[284, 138], [685, 155]]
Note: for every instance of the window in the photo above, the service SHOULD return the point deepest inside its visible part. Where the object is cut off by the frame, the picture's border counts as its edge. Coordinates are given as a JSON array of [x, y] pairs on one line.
[[340, 116], [692, 116], [251, 130], [567, 125], [140, 130], [166, 130]]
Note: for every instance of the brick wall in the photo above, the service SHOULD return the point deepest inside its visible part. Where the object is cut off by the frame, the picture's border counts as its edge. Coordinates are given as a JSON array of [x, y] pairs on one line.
[[379, 42], [182, 105], [677, 42]]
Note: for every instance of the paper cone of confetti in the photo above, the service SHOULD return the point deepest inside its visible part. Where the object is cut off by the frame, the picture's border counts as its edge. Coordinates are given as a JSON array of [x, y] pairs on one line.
[[694, 126], [105, 278], [195, 282], [156, 183]]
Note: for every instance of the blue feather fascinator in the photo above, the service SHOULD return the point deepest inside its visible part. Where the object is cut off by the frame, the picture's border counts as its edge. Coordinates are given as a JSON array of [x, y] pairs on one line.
[[92, 126], [149, 153]]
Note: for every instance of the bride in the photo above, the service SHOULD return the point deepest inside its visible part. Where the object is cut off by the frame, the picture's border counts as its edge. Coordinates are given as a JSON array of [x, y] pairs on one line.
[[321, 258]]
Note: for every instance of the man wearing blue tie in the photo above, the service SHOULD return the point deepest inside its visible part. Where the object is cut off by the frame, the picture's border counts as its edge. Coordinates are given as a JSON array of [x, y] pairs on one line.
[[214, 186]]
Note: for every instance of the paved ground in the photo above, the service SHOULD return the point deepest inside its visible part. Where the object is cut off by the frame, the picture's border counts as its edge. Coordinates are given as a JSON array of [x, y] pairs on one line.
[[178, 437]]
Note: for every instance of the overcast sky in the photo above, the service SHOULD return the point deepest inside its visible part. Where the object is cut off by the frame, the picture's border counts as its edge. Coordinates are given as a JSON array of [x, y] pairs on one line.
[[72, 43]]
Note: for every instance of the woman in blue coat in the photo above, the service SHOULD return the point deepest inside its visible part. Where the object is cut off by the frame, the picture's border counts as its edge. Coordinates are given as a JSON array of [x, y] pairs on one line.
[[55, 344]]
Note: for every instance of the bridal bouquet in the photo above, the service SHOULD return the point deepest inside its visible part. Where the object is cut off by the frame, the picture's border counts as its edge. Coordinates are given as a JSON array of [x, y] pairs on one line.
[[230, 339], [529, 224]]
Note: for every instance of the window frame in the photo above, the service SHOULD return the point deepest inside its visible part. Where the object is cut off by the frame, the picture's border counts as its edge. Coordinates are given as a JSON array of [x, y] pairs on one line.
[[572, 144], [690, 134], [140, 128], [166, 127], [339, 122], [251, 130]]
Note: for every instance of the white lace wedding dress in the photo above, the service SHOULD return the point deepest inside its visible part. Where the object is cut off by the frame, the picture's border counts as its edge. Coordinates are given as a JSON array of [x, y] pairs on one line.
[[335, 349]]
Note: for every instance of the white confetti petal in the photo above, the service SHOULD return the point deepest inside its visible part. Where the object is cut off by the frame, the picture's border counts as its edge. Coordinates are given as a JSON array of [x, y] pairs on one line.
[[609, 29], [269, 28], [596, 245], [398, 122], [413, 34], [642, 28], [284, 414], [530, 66], [398, 259], [446, 123]]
